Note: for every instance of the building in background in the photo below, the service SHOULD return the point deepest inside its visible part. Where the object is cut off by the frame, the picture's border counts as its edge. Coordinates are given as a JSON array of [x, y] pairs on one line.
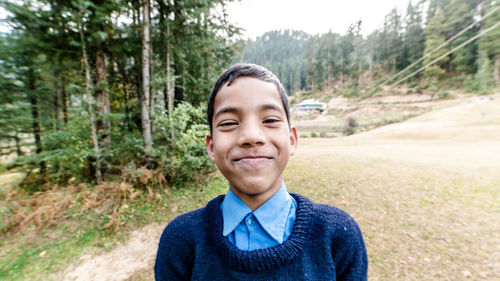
[[310, 106]]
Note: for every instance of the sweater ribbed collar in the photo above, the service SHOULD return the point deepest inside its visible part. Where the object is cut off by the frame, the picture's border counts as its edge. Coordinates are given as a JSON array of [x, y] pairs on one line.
[[261, 259]]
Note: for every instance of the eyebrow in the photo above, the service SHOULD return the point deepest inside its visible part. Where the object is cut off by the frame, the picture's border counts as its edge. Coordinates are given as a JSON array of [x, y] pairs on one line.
[[231, 109], [225, 110]]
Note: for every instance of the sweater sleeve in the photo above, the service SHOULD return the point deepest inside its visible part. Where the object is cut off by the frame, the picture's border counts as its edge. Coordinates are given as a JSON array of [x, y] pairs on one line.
[[175, 257], [349, 253]]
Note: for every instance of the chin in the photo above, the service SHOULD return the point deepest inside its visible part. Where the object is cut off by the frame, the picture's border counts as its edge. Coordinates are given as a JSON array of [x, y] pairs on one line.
[[257, 187]]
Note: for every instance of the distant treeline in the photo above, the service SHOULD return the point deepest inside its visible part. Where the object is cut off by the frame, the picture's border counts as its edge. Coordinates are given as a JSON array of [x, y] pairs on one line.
[[358, 63]]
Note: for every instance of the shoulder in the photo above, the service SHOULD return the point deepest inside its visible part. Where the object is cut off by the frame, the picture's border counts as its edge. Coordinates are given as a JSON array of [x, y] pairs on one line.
[[341, 232], [188, 224], [332, 216], [331, 221], [179, 231], [176, 250]]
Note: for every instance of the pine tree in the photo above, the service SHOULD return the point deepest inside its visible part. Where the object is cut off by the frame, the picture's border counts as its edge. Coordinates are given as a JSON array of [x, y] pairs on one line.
[[413, 38], [489, 43], [435, 32]]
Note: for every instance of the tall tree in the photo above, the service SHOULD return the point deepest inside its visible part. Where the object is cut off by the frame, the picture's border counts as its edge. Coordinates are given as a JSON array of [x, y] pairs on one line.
[[146, 53], [413, 38], [435, 32], [489, 43]]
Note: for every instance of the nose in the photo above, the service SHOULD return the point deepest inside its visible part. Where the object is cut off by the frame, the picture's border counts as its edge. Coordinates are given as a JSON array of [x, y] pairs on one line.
[[251, 134]]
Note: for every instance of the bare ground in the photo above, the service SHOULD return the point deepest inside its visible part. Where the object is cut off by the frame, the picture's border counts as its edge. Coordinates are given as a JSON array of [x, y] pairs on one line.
[[136, 255], [425, 193]]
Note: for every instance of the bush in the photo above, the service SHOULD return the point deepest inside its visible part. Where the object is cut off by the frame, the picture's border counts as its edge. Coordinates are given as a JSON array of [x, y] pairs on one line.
[[446, 95], [350, 126], [314, 135], [184, 159]]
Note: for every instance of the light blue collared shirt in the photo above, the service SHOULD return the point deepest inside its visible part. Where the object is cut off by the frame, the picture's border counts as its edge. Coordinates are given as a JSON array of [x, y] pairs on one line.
[[270, 225]]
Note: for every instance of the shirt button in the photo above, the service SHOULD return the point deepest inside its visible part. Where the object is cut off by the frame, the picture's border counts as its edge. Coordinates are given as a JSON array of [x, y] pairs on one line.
[[250, 221]]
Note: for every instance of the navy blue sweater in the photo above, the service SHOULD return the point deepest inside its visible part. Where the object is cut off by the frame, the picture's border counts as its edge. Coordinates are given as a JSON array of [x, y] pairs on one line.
[[325, 244]]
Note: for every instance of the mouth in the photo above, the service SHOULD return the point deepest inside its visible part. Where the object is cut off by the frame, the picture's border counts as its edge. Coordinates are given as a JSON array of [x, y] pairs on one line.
[[252, 159]]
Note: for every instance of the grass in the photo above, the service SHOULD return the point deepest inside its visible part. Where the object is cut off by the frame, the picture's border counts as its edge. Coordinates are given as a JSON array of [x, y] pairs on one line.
[[10, 179], [424, 192], [29, 255], [413, 216]]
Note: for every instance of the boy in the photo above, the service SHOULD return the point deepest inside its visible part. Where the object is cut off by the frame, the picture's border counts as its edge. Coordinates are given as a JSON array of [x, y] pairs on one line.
[[257, 231]]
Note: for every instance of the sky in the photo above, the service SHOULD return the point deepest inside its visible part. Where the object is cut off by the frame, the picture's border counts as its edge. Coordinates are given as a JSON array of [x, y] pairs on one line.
[[311, 16]]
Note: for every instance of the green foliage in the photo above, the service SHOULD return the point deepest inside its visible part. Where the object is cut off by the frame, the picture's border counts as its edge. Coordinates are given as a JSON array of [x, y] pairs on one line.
[[484, 79], [435, 36], [445, 95], [314, 135], [183, 159]]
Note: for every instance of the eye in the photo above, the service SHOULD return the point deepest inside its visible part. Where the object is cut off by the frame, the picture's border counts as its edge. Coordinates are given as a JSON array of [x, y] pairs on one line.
[[227, 124], [271, 120]]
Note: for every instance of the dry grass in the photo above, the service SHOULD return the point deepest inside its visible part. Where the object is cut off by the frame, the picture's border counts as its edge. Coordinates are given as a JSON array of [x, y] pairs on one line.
[[425, 192]]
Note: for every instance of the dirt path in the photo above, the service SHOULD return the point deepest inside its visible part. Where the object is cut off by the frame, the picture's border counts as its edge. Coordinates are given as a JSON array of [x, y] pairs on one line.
[[137, 254]]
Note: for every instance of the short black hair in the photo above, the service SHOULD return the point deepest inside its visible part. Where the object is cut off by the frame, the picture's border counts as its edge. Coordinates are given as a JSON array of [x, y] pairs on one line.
[[246, 70]]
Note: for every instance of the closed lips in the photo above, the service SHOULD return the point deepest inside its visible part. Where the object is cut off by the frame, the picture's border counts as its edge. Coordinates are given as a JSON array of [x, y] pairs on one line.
[[252, 158]]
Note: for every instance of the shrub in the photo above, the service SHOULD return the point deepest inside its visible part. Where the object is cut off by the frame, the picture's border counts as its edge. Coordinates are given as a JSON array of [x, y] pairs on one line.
[[446, 95], [183, 159], [322, 135], [314, 135], [350, 126]]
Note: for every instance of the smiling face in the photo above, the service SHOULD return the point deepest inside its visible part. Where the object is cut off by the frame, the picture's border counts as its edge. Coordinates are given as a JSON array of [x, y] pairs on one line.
[[251, 140]]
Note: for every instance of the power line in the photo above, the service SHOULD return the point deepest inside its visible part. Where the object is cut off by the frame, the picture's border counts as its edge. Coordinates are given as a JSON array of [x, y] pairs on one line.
[[437, 48], [453, 50], [443, 44]]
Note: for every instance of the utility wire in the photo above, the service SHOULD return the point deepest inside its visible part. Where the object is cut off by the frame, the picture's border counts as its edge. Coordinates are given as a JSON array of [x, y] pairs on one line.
[[442, 45], [437, 48], [453, 50]]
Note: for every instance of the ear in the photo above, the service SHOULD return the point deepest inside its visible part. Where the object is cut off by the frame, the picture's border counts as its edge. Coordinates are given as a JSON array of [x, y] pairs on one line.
[[294, 140], [210, 147]]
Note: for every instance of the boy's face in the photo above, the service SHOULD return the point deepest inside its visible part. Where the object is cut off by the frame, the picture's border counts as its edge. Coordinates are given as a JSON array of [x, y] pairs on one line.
[[251, 140]]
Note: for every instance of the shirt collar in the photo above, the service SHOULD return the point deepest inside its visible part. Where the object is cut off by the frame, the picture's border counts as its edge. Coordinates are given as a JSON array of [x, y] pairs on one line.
[[272, 215], [233, 212]]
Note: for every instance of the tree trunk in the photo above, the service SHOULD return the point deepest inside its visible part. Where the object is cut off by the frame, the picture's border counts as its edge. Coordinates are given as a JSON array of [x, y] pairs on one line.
[[102, 98], [146, 46], [370, 65], [341, 70], [169, 89], [496, 65], [89, 97], [17, 142], [329, 68], [125, 81], [64, 100], [35, 117], [360, 66], [57, 104]]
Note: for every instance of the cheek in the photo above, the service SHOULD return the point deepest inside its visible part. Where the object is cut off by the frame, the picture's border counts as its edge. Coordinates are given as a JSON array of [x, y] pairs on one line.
[[221, 149]]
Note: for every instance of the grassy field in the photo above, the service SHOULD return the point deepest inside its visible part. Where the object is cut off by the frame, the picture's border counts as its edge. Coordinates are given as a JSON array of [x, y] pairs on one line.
[[425, 192]]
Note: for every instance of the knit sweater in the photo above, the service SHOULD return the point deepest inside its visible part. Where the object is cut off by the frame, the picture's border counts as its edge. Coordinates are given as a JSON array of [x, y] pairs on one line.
[[325, 244]]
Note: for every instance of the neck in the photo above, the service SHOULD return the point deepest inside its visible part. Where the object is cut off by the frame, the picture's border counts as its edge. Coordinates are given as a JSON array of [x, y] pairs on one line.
[[254, 201]]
